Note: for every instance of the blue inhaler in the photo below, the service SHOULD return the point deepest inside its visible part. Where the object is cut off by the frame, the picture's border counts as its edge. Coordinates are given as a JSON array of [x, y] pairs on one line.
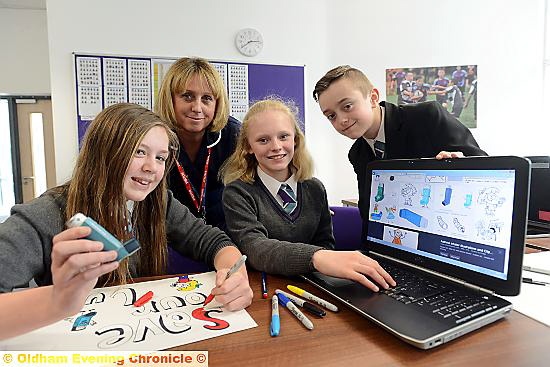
[[100, 234]]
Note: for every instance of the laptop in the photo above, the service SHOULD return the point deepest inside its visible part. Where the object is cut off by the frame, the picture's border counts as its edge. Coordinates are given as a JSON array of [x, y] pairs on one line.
[[451, 233], [538, 217]]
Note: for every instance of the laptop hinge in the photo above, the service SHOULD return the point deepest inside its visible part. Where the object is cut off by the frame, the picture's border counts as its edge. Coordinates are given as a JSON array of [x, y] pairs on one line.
[[444, 276]]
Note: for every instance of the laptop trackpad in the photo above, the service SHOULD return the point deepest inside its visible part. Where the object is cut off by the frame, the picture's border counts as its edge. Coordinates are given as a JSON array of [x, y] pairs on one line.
[[335, 282]]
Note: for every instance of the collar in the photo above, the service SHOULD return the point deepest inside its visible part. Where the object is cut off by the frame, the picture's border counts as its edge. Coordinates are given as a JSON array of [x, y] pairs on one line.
[[381, 136], [273, 185]]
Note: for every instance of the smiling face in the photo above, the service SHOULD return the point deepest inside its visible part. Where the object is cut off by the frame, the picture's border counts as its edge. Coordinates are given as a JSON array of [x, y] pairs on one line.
[[350, 113], [271, 139], [146, 168], [194, 107]]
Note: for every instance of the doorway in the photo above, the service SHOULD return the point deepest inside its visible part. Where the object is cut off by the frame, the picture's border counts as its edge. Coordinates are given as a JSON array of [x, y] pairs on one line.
[[27, 165]]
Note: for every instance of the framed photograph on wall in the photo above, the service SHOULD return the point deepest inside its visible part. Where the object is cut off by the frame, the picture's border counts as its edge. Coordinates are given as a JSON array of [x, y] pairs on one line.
[[454, 87]]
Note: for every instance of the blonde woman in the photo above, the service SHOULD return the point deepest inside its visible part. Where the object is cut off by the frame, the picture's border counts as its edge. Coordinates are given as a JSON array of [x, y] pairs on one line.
[[193, 100], [276, 212], [119, 181]]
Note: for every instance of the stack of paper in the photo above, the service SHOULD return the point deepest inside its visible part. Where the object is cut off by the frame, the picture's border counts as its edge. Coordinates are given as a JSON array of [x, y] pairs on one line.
[[538, 262], [534, 299]]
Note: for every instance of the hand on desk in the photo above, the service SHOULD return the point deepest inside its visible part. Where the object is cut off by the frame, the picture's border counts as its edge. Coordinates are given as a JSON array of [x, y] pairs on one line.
[[76, 265], [352, 265]]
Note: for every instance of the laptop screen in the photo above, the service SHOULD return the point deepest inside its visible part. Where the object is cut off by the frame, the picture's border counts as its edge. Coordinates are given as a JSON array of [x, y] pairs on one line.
[[459, 217], [539, 198]]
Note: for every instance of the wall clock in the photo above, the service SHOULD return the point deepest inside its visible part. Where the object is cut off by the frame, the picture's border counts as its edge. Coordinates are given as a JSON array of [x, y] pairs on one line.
[[249, 42]]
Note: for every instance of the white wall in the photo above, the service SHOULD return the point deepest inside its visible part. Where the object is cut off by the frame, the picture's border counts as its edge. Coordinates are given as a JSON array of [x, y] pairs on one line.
[[506, 41], [24, 65], [504, 38], [174, 28]]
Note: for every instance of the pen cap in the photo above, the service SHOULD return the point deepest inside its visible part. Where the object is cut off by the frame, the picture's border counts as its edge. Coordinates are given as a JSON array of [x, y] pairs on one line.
[[283, 300]]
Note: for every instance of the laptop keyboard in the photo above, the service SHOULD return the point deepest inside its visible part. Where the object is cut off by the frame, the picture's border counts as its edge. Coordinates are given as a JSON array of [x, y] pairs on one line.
[[443, 300]]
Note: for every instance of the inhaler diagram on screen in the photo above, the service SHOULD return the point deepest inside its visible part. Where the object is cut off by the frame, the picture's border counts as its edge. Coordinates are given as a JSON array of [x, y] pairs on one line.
[[469, 205]]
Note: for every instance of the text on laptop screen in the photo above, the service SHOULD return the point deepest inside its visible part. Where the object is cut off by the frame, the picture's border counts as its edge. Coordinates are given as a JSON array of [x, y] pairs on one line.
[[461, 217]]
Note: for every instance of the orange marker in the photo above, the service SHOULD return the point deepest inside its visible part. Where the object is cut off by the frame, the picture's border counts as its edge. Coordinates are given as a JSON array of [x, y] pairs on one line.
[[144, 299]]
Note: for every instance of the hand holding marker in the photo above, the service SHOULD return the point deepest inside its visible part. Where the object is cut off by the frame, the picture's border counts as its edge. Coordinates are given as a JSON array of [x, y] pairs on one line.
[[231, 271], [306, 305], [311, 297]]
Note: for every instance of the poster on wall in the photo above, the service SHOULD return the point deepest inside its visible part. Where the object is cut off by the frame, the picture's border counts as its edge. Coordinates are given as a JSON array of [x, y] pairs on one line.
[[103, 80], [454, 87]]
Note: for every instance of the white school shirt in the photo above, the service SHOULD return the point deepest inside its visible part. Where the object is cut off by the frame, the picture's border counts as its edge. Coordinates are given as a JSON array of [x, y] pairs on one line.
[[273, 185], [381, 137]]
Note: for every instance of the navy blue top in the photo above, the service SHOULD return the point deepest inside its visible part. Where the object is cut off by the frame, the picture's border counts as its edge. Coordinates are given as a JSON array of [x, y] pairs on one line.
[[214, 187]]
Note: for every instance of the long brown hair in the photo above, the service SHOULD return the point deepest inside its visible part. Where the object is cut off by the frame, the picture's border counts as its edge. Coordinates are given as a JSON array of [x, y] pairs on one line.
[[96, 188], [175, 81], [241, 165]]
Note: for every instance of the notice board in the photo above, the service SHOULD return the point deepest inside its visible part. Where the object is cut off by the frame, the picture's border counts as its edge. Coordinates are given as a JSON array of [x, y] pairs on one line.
[[103, 80]]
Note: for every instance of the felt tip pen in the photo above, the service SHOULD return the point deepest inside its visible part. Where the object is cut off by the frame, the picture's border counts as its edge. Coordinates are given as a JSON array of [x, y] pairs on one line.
[[143, 299], [311, 297], [231, 271], [295, 311], [264, 285], [532, 281], [275, 322], [309, 307]]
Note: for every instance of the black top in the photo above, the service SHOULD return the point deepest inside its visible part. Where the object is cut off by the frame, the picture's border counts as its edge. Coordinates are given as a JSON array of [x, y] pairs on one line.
[[214, 187]]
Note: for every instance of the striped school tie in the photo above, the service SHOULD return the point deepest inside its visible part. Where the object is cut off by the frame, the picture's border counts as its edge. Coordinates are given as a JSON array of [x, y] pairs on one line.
[[289, 198], [379, 148]]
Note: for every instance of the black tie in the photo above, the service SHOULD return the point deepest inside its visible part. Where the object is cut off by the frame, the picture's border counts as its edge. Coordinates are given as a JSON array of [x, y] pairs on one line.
[[379, 148]]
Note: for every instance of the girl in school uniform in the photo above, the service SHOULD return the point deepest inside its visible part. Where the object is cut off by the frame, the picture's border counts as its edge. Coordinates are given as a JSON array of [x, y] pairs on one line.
[[119, 181], [276, 212]]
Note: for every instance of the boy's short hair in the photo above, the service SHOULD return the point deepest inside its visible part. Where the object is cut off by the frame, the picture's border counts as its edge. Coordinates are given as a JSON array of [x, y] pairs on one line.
[[343, 71]]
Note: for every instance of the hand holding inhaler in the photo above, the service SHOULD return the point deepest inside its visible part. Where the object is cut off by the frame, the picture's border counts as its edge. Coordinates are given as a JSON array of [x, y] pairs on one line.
[[100, 234]]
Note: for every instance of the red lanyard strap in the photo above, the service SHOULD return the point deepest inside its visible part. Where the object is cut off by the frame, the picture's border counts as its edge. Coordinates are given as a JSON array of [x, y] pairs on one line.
[[201, 203]]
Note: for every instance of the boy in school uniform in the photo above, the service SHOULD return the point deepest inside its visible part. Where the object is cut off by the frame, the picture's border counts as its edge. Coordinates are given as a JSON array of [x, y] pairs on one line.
[[383, 130]]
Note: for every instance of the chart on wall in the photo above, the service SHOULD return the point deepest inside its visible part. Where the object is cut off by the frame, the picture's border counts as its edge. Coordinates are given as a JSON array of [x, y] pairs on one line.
[[103, 80]]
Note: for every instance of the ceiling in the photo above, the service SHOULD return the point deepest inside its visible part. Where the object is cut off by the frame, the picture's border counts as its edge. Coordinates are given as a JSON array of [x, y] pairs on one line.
[[23, 4]]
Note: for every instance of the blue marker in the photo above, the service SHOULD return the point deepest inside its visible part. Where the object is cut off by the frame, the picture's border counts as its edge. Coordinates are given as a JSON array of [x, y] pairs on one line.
[[275, 323], [283, 300], [264, 285]]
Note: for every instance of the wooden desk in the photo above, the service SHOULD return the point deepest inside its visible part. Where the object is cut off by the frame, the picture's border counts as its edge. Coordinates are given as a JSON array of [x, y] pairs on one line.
[[347, 339], [540, 242], [350, 202]]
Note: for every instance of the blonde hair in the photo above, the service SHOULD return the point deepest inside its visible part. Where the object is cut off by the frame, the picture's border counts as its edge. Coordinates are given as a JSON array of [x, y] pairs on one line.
[[96, 188], [242, 164], [359, 79], [175, 82]]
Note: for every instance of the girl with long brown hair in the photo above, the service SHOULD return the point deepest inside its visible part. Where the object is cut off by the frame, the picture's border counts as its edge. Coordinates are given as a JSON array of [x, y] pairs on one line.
[[120, 181]]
